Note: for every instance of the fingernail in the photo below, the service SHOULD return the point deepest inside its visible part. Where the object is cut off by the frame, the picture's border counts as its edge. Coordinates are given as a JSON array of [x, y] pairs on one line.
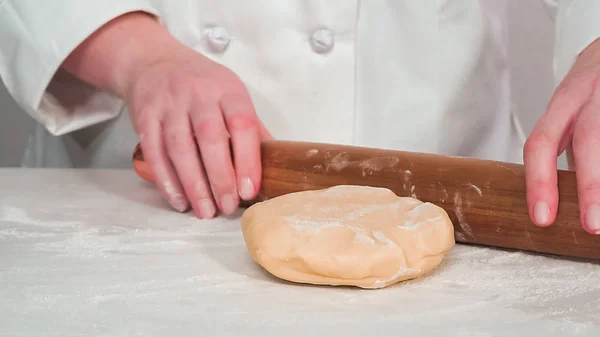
[[246, 188], [541, 213], [177, 200], [179, 204], [228, 203], [206, 207], [593, 219]]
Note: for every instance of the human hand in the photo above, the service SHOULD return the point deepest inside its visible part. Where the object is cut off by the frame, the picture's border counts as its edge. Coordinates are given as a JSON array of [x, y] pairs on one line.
[[572, 123], [185, 109]]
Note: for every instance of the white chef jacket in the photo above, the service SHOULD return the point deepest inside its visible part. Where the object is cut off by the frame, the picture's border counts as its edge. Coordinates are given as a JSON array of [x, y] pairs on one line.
[[417, 75]]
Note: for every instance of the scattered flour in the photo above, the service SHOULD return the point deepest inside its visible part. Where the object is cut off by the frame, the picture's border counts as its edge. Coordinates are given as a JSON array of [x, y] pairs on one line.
[[177, 199], [339, 162], [537, 285], [311, 152], [18, 216], [410, 224], [458, 210], [305, 225], [342, 160], [381, 237], [477, 189], [378, 284], [490, 292], [339, 219]]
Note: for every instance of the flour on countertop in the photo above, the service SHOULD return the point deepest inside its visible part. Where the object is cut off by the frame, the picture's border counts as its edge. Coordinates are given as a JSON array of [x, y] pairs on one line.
[[134, 268], [20, 225], [401, 272], [537, 284]]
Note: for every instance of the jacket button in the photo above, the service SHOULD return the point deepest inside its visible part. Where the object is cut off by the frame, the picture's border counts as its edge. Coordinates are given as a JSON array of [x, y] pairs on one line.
[[551, 7], [322, 40], [217, 38]]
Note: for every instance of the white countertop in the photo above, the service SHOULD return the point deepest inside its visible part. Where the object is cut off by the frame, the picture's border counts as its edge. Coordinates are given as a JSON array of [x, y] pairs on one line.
[[96, 253]]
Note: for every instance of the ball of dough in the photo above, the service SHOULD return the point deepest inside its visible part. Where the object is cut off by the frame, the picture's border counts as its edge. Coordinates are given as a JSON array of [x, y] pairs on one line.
[[359, 236]]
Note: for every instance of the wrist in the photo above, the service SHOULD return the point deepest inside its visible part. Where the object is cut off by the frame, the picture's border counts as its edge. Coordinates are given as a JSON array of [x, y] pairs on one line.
[[116, 53]]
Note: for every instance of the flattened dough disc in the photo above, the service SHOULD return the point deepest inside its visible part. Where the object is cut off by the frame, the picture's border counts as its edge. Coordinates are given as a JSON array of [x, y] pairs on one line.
[[359, 236]]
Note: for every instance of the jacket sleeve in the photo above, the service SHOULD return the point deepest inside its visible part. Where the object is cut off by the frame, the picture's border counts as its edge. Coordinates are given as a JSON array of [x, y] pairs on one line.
[[577, 25], [36, 37]]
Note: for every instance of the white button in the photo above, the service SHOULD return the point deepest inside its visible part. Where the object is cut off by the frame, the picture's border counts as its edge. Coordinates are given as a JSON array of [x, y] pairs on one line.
[[551, 7], [322, 40], [217, 38]]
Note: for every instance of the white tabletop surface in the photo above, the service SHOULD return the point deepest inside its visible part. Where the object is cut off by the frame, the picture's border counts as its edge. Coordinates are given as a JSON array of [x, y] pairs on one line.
[[96, 253]]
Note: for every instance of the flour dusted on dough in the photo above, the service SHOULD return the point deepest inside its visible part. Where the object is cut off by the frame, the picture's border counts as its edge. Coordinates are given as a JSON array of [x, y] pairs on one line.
[[349, 235]]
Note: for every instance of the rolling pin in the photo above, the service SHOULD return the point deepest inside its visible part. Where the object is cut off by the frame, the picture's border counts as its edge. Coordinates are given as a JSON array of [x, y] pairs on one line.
[[485, 200]]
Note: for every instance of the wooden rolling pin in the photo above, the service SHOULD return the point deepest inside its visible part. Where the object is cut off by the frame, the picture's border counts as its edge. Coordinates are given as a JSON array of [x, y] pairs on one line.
[[485, 199]]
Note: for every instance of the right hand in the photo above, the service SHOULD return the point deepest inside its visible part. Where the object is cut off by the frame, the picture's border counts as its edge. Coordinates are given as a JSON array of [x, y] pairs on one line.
[[185, 109]]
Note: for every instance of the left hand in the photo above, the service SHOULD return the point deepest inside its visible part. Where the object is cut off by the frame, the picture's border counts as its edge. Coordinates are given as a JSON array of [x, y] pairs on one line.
[[572, 123]]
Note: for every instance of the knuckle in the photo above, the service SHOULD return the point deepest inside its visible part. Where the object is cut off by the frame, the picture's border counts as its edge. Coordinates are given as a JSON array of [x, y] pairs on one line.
[[221, 177], [577, 143], [242, 121], [562, 91], [538, 183], [229, 77], [209, 130], [142, 125], [203, 85], [590, 190], [178, 142], [202, 189], [142, 113], [536, 141], [224, 186], [587, 136]]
